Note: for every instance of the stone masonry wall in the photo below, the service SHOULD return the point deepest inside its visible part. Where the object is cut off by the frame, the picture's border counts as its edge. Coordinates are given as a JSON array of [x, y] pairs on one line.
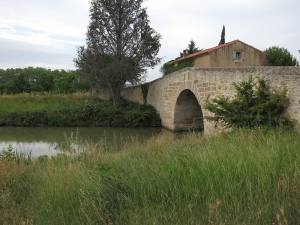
[[212, 82]]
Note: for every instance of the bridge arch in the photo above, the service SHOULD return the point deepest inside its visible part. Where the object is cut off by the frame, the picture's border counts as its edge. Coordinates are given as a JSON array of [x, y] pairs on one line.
[[188, 115]]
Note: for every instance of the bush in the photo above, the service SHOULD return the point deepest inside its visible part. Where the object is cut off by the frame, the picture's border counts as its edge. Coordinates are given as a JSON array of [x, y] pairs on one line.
[[72, 110], [8, 154], [277, 56], [171, 67], [255, 104]]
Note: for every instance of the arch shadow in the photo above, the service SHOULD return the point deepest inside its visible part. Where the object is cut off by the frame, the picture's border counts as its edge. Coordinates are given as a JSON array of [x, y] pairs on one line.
[[188, 115]]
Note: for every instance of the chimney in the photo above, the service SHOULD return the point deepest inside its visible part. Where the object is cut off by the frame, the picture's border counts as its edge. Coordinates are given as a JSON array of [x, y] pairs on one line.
[[185, 53]]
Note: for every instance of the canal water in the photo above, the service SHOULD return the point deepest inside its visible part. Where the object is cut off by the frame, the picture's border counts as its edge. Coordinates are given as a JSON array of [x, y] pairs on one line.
[[51, 141]]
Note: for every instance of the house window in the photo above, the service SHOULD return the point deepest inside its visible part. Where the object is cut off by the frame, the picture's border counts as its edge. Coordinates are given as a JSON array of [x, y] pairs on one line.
[[237, 55]]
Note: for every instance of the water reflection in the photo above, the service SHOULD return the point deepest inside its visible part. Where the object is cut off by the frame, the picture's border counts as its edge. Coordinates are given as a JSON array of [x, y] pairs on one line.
[[51, 141], [34, 149]]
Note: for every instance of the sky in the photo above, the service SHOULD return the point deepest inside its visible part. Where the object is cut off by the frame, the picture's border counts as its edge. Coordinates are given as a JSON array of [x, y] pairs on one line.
[[47, 33]]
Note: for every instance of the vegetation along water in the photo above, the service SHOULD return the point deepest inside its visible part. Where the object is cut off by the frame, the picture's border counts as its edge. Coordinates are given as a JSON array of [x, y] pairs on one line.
[[242, 177], [73, 110]]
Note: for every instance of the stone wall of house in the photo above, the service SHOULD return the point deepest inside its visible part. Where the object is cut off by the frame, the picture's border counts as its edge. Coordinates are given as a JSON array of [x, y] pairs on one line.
[[202, 62], [208, 83], [224, 57]]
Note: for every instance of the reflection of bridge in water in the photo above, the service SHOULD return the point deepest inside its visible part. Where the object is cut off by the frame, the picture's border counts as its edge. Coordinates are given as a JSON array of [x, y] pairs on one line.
[[180, 97]]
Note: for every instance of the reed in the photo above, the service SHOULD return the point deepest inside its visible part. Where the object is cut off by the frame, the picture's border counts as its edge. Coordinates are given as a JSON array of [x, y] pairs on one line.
[[242, 177]]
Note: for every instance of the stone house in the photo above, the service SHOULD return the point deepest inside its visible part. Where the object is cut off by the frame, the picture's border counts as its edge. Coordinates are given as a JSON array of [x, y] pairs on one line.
[[230, 55]]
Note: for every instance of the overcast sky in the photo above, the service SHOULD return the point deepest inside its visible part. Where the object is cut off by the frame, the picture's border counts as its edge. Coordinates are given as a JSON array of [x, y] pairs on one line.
[[46, 33]]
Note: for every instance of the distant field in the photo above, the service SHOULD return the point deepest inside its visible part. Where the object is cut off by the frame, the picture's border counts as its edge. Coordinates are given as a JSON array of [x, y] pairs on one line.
[[72, 110], [240, 178]]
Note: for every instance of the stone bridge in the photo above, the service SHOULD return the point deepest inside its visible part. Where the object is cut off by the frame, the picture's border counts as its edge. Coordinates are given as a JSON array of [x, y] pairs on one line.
[[180, 97]]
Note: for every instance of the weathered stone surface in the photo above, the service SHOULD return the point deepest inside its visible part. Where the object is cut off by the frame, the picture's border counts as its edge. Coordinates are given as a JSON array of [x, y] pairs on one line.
[[163, 93]]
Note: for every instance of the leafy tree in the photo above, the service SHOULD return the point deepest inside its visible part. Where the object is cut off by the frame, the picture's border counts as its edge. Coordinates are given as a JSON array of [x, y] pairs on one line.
[[13, 81], [192, 47], [277, 56], [222, 41], [255, 104], [121, 45]]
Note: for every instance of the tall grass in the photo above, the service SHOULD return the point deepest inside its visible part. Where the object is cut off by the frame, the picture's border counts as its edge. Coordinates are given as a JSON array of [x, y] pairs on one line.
[[243, 177]]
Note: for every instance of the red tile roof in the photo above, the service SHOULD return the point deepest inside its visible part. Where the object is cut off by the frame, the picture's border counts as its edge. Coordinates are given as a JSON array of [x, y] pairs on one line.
[[209, 50]]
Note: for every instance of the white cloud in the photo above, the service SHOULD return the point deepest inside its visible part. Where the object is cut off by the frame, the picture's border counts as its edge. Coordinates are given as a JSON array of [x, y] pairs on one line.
[[42, 32], [29, 37]]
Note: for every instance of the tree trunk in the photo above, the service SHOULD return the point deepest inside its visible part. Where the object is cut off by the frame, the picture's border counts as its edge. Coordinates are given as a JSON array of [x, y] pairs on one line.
[[116, 94]]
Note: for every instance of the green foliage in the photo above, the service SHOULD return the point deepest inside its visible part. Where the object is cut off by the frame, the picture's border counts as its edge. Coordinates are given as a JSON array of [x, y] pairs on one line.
[[192, 47], [245, 177], [277, 56], [255, 104], [14, 81], [223, 40], [73, 110], [121, 45], [171, 67], [8, 154], [43, 159]]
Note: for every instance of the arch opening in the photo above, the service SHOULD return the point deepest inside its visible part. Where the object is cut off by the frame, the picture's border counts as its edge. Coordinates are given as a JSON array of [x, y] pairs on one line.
[[188, 113]]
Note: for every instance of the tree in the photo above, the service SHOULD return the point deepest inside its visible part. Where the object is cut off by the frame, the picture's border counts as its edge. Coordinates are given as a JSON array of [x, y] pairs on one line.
[[120, 46], [255, 104], [14, 81], [222, 41], [277, 56], [192, 47]]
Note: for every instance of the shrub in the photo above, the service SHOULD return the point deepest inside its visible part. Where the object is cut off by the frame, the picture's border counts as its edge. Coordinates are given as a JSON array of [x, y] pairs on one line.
[[255, 104], [171, 67], [277, 56], [8, 154], [72, 110]]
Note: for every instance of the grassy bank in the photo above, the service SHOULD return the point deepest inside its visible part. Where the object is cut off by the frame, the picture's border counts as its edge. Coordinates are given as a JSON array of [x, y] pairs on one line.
[[72, 110], [244, 177]]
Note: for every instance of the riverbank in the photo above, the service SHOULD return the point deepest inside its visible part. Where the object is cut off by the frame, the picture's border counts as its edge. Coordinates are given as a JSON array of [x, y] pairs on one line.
[[50, 110], [243, 177]]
